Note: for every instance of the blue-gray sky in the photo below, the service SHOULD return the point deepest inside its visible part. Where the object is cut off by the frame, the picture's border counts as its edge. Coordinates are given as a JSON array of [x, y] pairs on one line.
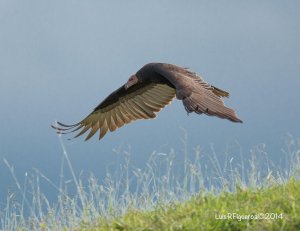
[[59, 59]]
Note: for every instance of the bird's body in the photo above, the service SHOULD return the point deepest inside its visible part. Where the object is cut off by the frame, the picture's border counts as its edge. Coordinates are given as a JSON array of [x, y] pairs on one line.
[[147, 92]]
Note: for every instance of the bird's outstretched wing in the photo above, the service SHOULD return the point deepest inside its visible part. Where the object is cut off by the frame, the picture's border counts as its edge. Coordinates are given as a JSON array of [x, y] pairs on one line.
[[142, 101], [197, 95]]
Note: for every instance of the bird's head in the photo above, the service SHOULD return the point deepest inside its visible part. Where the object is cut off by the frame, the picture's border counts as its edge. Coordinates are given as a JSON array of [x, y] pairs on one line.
[[131, 81]]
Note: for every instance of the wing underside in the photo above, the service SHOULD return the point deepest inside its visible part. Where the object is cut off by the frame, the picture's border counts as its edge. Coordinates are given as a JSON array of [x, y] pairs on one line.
[[143, 103]]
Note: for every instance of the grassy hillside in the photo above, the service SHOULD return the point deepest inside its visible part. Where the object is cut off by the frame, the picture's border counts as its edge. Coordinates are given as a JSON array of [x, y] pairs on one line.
[[276, 207], [193, 193]]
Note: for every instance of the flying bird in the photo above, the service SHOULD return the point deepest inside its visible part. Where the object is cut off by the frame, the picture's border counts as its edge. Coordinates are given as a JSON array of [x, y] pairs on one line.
[[148, 91]]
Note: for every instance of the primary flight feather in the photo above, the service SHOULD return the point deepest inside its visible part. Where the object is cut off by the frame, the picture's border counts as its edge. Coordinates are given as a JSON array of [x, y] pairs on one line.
[[146, 93]]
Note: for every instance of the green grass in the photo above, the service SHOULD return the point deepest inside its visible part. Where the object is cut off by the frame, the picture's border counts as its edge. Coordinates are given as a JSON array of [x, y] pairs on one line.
[[160, 197], [280, 204]]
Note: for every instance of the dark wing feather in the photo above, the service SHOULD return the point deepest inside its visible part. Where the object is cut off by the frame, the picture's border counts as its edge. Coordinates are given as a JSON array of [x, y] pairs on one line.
[[197, 95], [141, 101]]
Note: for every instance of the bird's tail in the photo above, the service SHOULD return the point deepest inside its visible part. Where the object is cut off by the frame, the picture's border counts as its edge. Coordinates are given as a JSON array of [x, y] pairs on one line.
[[209, 104]]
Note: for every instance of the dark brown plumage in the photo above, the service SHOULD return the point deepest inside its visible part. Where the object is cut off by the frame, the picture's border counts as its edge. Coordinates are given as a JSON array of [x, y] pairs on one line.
[[146, 93]]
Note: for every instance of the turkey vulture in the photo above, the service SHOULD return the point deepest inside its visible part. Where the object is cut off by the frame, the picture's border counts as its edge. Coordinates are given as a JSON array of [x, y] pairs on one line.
[[146, 93]]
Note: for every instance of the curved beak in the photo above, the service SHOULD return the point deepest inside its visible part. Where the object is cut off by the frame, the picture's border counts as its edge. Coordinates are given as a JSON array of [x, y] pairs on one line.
[[131, 81]]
